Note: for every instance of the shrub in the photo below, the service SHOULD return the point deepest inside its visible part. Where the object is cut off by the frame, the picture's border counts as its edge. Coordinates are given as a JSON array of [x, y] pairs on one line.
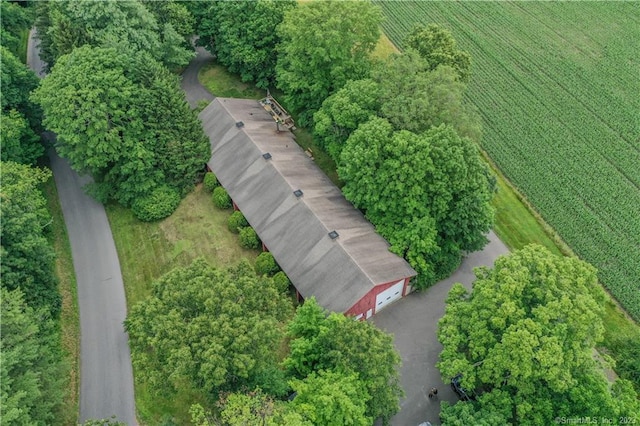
[[266, 264], [281, 281], [221, 199], [210, 181], [248, 238], [159, 204], [236, 221]]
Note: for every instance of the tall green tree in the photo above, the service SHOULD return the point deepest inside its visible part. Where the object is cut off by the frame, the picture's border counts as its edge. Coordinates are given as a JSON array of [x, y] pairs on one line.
[[332, 399], [216, 330], [125, 121], [242, 35], [17, 82], [32, 373], [19, 142], [428, 194], [524, 341], [16, 20], [437, 45], [324, 45], [124, 25], [340, 344], [27, 257]]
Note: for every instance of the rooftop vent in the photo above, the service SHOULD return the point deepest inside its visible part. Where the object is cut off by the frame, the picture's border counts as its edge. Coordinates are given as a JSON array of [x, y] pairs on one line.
[[298, 193], [333, 235], [266, 156]]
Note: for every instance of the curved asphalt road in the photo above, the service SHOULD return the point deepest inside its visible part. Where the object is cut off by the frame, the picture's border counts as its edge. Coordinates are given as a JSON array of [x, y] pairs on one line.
[[194, 91], [106, 377]]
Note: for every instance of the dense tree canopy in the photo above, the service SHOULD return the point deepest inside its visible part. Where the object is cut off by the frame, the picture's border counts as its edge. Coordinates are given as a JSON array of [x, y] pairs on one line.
[[32, 375], [332, 399], [428, 194], [524, 341], [242, 35], [16, 20], [214, 329], [18, 81], [324, 45], [125, 121], [438, 47], [338, 343], [27, 257], [124, 25], [19, 142], [405, 91]]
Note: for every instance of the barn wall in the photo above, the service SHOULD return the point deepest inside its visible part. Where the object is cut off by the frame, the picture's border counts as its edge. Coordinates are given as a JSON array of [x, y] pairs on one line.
[[369, 299]]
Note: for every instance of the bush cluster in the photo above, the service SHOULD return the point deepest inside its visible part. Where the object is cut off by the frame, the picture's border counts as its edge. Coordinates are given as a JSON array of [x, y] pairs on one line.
[[159, 204], [236, 221], [221, 199], [248, 238], [210, 181], [266, 264]]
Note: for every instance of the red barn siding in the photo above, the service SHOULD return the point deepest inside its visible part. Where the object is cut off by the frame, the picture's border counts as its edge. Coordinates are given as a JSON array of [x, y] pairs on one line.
[[369, 299]]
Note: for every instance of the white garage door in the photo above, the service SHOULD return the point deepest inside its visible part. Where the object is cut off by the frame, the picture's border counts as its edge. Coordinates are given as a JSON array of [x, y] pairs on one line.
[[391, 294]]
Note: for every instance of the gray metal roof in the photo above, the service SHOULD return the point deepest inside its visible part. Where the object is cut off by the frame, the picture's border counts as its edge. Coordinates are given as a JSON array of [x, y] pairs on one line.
[[337, 272]]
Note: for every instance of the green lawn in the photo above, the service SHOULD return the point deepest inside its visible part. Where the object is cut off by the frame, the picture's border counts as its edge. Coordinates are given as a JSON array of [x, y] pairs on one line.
[[148, 250], [69, 315]]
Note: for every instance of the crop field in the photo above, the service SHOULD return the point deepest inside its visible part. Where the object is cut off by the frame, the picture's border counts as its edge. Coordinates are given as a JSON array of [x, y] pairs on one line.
[[557, 85]]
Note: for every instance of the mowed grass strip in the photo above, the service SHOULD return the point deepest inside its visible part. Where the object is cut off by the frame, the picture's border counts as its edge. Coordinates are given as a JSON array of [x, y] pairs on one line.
[[69, 315], [149, 250]]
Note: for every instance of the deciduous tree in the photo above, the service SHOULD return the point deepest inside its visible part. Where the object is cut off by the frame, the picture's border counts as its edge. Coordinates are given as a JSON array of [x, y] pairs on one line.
[[242, 35], [338, 343], [215, 329], [125, 121], [524, 340], [437, 45], [27, 257], [324, 45], [19, 143], [32, 373], [428, 194]]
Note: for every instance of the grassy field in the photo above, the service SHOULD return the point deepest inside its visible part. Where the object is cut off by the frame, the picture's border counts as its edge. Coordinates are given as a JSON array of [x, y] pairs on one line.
[[69, 316], [557, 86], [148, 250]]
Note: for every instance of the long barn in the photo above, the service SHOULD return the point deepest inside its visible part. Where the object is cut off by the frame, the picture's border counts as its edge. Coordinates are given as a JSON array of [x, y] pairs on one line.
[[325, 245]]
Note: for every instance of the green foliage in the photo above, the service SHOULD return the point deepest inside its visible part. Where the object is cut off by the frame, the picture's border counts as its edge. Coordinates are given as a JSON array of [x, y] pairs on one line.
[[214, 329], [427, 194], [437, 45], [324, 45], [19, 143], [159, 204], [248, 238], [175, 14], [27, 257], [236, 222], [15, 21], [125, 121], [32, 374], [241, 35], [281, 281], [524, 340], [337, 343], [342, 113], [560, 123], [124, 25], [220, 198], [17, 82], [266, 264], [210, 181], [331, 398]]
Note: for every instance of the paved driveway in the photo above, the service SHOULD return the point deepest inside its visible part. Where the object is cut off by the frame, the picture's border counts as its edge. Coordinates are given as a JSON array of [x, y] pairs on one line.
[[414, 322], [193, 90], [106, 377]]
